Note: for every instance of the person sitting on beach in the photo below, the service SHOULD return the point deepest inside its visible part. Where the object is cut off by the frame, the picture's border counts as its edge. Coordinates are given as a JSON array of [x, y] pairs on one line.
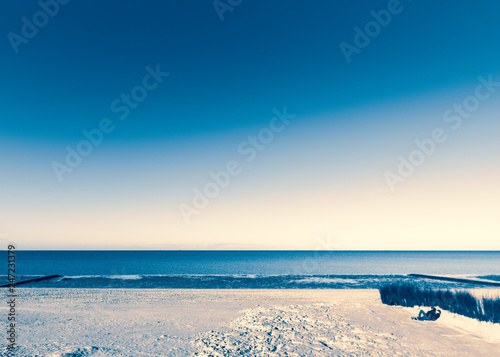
[[432, 315]]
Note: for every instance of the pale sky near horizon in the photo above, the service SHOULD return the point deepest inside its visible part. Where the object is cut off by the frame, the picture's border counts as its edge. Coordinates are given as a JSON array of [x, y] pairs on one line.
[[312, 173]]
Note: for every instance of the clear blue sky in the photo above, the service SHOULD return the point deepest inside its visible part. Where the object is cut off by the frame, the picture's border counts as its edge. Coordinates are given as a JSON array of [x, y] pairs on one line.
[[352, 121]]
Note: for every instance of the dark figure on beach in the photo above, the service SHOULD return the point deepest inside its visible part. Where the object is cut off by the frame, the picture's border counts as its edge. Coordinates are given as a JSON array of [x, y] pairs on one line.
[[431, 315]]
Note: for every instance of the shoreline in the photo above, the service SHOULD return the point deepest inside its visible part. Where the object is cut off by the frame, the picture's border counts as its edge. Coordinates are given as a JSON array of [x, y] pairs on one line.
[[185, 322]]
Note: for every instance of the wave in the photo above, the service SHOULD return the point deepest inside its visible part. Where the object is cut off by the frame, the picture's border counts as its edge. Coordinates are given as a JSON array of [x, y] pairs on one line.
[[317, 280], [234, 281], [494, 278], [122, 277]]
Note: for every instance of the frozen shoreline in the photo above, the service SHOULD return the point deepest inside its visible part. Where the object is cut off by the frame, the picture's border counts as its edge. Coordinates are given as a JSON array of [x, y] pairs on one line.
[[142, 322]]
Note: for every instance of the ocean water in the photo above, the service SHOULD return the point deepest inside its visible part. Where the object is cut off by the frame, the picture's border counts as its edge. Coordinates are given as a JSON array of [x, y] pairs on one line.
[[248, 269]]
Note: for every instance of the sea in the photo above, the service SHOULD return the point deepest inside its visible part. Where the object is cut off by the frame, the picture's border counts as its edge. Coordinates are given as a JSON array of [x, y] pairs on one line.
[[250, 269]]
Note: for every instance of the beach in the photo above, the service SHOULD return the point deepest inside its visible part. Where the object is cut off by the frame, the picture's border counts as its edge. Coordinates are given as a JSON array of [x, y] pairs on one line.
[[244, 322]]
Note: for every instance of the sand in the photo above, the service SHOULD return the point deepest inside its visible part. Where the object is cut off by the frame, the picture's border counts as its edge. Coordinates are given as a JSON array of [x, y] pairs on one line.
[[127, 322]]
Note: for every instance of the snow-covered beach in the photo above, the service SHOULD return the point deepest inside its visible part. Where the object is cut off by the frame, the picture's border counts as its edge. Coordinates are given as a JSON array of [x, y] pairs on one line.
[[161, 322]]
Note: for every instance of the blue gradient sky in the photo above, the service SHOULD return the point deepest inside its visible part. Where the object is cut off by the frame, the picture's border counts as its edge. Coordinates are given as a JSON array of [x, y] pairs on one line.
[[322, 175]]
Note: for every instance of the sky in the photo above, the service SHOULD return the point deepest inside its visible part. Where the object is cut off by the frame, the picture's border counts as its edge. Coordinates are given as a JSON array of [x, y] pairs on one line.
[[250, 125]]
